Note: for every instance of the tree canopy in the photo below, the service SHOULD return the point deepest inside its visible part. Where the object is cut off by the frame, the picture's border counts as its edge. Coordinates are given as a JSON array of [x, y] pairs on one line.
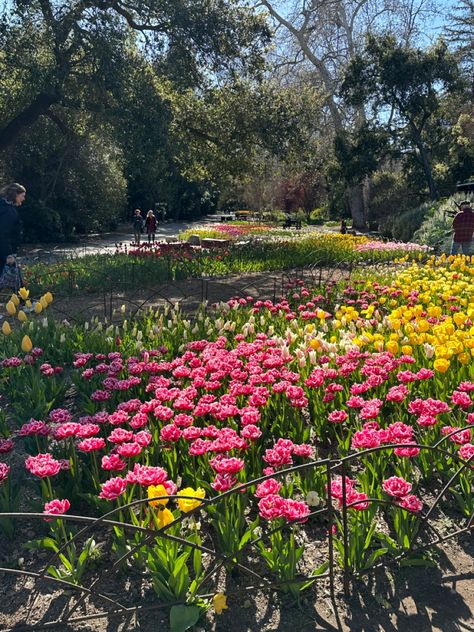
[[106, 105]]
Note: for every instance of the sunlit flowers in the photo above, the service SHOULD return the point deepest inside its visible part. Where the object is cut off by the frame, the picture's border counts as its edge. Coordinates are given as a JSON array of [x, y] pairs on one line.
[[219, 602], [194, 500], [26, 344]]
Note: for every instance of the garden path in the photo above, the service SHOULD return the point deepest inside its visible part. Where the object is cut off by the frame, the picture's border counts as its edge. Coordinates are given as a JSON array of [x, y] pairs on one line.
[[106, 242]]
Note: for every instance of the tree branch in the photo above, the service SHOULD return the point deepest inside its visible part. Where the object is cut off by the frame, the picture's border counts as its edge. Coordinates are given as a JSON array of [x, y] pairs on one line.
[[39, 106]]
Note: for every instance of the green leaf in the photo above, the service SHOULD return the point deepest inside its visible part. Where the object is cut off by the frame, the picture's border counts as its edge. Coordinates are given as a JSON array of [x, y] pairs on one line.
[[43, 543], [197, 562], [374, 557], [183, 617], [417, 561], [321, 569]]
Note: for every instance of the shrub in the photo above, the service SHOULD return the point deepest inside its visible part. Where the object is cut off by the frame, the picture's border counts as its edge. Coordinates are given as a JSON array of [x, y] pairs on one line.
[[436, 230]]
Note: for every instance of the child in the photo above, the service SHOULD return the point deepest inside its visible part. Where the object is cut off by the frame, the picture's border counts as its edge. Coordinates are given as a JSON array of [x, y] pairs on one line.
[[11, 277], [150, 225]]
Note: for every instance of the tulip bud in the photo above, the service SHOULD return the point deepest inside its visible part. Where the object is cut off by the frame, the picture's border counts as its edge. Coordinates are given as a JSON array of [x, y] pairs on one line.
[[15, 300], [6, 329], [28, 304], [49, 297], [22, 316], [11, 309], [26, 344], [44, 302], [38, 308]]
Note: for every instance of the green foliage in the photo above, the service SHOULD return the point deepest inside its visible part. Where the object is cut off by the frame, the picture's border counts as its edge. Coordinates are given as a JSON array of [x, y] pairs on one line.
[[408, 82], [98, 105], [390, 195], [436, 230]]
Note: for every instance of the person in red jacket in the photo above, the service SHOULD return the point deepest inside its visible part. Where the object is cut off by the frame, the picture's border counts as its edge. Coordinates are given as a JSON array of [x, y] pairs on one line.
[[463, 225], [150, 225]]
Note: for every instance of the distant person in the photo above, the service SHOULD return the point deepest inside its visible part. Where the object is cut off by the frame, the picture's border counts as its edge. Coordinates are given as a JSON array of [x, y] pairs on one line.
[[343, 228], [11, 196], [150, 225], [137, 223], [463, 226]]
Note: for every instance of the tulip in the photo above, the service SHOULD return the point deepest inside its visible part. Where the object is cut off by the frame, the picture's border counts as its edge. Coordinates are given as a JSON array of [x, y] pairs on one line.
[[15, 300], [6, 329], [44, 302], [22, 316], [38, 308], [24, 293], [49, 297], [11, 309], [28, 304], [26, 344]]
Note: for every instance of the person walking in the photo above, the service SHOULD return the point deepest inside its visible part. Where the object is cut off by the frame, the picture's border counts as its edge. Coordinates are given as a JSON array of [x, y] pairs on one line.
[[11, 197], [150, 225], [463, 225], [137, 222]]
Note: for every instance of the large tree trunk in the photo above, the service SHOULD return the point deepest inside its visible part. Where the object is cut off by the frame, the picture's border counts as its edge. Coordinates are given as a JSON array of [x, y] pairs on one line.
[[426, 164], [356, 203], [40, 105], [425, 161]]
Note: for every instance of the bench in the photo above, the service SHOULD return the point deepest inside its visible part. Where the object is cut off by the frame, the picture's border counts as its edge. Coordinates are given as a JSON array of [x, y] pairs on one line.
[[289, 222], [228, 217]]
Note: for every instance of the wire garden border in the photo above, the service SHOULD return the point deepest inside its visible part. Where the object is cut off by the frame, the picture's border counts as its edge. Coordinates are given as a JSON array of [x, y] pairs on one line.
[[329, 468], [189, 293]]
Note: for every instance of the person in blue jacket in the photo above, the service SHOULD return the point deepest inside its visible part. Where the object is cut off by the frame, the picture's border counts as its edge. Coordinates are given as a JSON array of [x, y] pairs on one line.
[[11, 196]]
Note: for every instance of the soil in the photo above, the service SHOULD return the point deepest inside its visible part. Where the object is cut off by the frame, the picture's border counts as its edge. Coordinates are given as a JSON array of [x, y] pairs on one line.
[[439, 599], [188, 294]]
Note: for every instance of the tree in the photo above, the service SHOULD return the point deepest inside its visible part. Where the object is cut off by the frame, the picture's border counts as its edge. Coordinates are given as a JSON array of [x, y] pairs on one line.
[[50, 47], [403, 86], [316, 41]]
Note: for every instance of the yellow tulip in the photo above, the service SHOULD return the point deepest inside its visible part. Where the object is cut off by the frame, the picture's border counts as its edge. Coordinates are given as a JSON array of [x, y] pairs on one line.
[[49, 297], [392, 346], [38, 308], [28, 304], [163, 517], [464, 358], [219, 602], [44, 303], [6, 329], [22, 316], [26, 344], [15, 300], [11, 309], [441, 365], [154, 491], [188, 504], [24, 293]]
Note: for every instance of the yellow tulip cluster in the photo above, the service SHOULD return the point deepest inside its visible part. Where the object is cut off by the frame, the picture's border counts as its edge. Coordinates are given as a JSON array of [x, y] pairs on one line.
[[431, 306], [13, 307]]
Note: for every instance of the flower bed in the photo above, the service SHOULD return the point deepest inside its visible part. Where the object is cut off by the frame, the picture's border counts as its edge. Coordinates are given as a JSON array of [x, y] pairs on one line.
[[150, 264], [340, 413]]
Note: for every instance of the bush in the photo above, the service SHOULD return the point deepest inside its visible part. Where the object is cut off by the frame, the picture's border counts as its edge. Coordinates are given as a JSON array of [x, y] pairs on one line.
[[436, 230], [40, 223], [389, 196]]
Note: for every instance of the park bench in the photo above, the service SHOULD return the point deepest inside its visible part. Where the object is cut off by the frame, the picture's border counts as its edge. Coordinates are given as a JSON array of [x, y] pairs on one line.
[[289, 222], [227, 217]]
